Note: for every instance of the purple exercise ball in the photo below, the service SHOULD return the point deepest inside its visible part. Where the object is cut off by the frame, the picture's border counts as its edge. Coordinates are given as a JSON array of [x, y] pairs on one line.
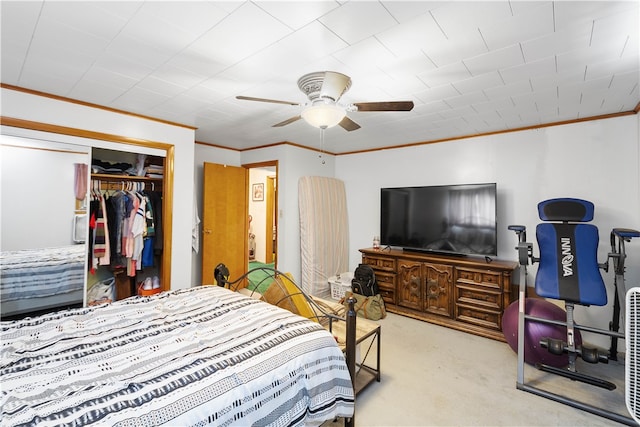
[[535, 331]]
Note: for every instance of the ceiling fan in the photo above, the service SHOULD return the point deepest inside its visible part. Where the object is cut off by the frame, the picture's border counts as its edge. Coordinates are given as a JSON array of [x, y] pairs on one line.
[[324, 89]]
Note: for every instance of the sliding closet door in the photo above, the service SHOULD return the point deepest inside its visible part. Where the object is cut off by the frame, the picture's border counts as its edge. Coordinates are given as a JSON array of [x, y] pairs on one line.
[[43, 205]]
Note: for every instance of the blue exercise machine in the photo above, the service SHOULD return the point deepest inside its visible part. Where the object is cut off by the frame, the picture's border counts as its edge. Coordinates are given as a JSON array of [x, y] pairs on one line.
[[568, 270]]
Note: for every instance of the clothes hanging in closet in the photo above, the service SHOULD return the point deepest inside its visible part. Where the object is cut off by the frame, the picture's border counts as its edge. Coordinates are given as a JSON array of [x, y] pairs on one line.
[[125, 228]]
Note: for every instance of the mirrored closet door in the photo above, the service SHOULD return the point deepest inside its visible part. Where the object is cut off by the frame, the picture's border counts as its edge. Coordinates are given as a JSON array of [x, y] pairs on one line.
[[43, 217]]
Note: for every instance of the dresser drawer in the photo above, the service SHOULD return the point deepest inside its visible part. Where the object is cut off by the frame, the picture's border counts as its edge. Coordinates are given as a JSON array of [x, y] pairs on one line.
[[380, 263], [386, 280], [388, 295], [488, 279], [479, 296], [387, 285], [477, 316]]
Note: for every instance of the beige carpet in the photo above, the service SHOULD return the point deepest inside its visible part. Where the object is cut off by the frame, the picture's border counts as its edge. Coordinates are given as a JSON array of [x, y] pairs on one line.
[[435, 376]]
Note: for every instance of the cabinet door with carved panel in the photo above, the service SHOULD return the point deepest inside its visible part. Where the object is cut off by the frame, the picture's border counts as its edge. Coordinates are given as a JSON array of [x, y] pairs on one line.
[[409, 282], [438, 286]]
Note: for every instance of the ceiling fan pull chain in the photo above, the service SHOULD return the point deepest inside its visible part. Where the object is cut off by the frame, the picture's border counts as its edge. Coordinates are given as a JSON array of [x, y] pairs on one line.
[[321, 144]]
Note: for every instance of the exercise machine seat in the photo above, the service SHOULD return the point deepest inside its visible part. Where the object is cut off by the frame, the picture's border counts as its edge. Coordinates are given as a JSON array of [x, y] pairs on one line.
[[568, 268]]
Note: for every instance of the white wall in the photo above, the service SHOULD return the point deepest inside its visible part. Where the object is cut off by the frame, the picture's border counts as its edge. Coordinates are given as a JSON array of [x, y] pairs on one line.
[[35, 108], [598, 161]]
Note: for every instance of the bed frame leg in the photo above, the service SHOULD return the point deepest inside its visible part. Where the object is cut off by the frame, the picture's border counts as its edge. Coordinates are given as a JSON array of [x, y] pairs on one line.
[[351, 354]]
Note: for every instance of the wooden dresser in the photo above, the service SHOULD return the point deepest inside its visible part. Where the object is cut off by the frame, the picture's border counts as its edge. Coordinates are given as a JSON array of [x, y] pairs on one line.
[[464, 293]]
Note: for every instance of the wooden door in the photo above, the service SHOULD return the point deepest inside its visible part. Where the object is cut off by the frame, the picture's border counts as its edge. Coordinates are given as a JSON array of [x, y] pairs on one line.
[[225, 223], [270, 231]]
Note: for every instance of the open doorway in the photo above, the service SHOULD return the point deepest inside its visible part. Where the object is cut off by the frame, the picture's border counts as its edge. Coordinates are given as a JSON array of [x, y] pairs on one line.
[[263, 218]]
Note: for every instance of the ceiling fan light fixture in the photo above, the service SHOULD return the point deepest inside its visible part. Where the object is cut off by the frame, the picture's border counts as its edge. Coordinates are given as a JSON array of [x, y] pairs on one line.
[[323, 115]]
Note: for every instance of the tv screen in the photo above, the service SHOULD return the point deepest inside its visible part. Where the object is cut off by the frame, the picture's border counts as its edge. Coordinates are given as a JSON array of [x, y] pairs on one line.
[[451, 219]]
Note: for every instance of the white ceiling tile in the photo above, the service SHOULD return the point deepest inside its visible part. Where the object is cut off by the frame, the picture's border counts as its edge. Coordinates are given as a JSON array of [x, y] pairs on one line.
[[139, 51], [497, 59], [304, 46], [244, 32], [547, 98], [493, 105], [411, 37], [297, 14], [17, 24], [87, 17], [401, 87], [96, 92], [154, 84], [470, 15], [609, 68], [436, 94], [456, 47], [38, 78], [357, 20], [526, 71], [625, 87], [524, 100], [541, 82], [195, 62], [122, 9], [123, 66], [182, 77], [478, 83], [194, 17], [70, 38], [509, 90], [151, 30], [570, 13], [580, 60], [444, 75], [407, 10], [559, 42], [408, 67], [366, 54], [617, 31], [225, 87], [140, 99], [184, 103], [517, 29], [466, 99], [105, 76], [10, 69]]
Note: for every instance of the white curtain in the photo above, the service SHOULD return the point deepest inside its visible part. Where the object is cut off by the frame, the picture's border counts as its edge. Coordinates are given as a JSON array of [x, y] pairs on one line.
[[324, 232]]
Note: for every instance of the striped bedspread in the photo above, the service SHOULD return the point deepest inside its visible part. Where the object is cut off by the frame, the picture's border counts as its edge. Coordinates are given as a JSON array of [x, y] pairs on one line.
[[198, 356], [32, 273]]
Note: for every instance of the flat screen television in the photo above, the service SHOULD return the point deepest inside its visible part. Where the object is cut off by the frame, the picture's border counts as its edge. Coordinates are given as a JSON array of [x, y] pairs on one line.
[[449, 219]]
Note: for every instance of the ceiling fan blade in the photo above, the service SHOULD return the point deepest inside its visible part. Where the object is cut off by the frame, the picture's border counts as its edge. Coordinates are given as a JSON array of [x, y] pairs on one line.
[[348, 124], [334, 85], [286, 122], [274, 101], [385, 106]]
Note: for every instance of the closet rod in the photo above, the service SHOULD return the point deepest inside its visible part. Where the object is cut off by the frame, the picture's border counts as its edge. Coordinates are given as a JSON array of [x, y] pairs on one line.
[[98, 185]]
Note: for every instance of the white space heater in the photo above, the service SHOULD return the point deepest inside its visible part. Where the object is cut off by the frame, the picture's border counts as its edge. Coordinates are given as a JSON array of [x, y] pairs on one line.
[[632, 362]]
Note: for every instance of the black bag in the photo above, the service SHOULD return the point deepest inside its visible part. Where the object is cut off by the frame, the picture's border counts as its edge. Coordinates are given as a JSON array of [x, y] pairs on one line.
[[364, 281]]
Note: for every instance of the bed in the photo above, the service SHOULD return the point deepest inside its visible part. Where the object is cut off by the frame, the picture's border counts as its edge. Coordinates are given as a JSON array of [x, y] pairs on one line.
[[37, 279], [199, 356]]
